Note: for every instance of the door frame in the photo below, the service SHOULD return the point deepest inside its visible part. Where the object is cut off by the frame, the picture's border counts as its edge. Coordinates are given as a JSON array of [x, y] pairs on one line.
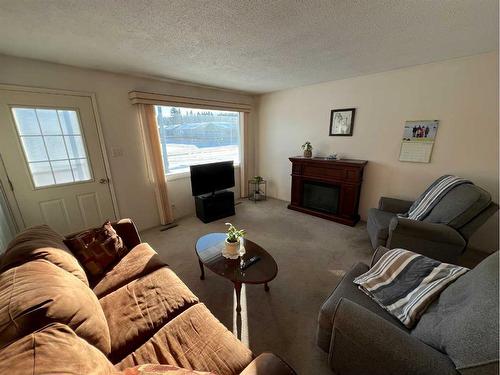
[[11, 198]]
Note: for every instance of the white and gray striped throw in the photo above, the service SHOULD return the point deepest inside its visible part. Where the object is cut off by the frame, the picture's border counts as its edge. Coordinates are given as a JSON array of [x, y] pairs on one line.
[[405, 283], [432, 195]]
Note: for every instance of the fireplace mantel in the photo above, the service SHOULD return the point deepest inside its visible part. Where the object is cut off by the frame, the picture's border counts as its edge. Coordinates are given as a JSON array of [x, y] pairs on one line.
[[344, 177]]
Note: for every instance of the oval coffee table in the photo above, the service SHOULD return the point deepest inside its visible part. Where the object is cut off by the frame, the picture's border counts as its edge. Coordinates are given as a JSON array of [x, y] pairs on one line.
[[208, 249]]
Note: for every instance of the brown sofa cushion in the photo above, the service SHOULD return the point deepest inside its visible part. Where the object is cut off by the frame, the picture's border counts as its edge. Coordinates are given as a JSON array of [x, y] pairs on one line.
[[150, 369], [144, 306], [97, 249], [37, 293], [41, 242], [193, 340], [55, 349], [140, 261]]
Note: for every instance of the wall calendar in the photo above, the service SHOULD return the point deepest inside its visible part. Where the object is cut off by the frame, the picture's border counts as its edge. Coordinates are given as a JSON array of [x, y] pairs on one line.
[[418, 141]]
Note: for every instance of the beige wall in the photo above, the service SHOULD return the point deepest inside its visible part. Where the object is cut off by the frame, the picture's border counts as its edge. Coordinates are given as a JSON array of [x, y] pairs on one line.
[[461, 93], [120, 125]]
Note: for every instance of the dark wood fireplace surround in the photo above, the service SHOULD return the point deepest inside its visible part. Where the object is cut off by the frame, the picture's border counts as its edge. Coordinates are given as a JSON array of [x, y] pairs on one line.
[[347, 175]]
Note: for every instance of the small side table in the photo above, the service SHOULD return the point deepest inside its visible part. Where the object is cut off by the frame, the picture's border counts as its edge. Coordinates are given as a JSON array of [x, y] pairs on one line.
[[257, 190]]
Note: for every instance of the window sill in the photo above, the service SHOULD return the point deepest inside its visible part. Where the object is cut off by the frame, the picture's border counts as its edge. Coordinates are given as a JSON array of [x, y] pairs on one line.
[[177, 176], [185, 175]]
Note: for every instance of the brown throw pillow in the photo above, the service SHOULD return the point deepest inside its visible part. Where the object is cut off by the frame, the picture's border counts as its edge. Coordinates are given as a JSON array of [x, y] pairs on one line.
[[97, 249]]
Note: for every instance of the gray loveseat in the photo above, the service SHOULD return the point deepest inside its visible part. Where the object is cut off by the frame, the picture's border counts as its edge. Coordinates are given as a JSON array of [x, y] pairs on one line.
[[458, 334], [443, 234]]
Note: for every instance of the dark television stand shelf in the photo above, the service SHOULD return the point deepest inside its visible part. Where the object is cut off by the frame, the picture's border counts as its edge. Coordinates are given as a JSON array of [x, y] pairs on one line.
[[211, 207]]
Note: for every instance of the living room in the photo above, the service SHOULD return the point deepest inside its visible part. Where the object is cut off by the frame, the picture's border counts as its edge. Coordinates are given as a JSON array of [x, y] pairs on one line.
[[351, 129]]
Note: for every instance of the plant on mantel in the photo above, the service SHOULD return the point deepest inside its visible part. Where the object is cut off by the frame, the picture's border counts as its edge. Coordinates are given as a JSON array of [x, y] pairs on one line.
[[307, 147]]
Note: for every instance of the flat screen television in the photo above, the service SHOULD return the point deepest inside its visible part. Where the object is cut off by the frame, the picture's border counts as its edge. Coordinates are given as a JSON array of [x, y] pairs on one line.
[[209, 178]]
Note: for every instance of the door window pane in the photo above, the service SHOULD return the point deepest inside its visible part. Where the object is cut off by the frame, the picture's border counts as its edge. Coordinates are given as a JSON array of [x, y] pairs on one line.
[[69, 122], [190, 136], [56, 147], [49, 122], [80, 169], [62, 171], [26, 121], [34, 148], [42, 174], [55, 135], [75, 146]]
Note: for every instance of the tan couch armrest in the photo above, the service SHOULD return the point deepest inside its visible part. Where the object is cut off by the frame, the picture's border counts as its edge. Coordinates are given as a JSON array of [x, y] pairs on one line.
[[127, 230], [268, 364]]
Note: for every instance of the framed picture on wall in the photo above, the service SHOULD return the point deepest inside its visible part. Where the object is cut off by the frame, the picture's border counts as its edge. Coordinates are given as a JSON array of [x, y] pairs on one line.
[[342, 121]]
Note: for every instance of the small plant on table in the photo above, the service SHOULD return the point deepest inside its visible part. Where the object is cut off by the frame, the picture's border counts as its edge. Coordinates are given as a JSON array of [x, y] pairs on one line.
[[232, 242]]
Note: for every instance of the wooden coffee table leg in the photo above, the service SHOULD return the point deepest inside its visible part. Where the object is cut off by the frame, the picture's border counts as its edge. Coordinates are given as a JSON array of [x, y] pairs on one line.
[[266, 287], [237, 288], [202, 276]]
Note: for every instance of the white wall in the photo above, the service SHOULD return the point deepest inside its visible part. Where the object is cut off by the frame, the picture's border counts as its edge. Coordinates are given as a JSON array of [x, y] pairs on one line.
[[461, 93], [119, 119]]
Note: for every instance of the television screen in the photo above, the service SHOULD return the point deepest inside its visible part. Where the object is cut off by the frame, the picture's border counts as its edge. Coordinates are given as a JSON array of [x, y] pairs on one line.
[[209, 178]]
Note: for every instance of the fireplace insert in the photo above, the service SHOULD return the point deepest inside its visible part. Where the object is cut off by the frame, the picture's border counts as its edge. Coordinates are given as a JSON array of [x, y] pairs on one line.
[[321, 197]]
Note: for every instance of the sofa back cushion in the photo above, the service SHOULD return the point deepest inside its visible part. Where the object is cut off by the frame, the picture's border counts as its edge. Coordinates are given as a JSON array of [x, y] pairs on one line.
[[41, 242], [463, 322], [55, 349], [460, 205], [38, 293]]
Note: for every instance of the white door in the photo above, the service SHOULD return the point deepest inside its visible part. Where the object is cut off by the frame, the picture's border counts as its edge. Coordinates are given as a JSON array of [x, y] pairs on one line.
[[52, 154]]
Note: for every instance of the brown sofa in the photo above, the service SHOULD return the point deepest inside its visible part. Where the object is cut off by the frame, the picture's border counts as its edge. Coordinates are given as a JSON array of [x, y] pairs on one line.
[[53, 320]]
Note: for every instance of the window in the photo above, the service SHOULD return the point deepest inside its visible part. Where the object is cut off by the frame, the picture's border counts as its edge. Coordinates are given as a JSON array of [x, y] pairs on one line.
[[53, 145], [191, 136]]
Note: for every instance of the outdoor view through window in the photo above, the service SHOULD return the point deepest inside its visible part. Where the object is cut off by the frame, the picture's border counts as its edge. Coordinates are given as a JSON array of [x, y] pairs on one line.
[[190, 136]]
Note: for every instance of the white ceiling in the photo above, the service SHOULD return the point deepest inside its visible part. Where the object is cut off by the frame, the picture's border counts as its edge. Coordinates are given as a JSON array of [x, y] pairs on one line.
[[255, 46]]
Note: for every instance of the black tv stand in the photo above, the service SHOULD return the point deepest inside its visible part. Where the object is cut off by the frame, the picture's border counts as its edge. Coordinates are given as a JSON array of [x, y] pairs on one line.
[[214, 206]]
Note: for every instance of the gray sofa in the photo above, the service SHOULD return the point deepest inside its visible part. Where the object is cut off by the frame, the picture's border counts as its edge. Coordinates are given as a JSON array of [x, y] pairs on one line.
[[443, 234], [458, 334]]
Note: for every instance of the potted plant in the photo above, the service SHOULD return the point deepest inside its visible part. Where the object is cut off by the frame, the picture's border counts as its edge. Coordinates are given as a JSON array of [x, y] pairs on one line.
[[258, 179], [307, 147], [232, 243]]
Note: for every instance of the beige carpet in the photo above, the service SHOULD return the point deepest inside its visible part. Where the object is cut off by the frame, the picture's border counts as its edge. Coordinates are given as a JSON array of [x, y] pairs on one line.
[[312, 255]]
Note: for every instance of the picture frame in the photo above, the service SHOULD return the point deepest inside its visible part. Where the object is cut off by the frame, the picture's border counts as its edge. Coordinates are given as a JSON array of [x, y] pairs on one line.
[[342, 122]]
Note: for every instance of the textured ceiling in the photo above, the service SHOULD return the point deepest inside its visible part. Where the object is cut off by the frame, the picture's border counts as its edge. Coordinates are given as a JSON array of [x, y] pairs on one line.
[[255, 46]]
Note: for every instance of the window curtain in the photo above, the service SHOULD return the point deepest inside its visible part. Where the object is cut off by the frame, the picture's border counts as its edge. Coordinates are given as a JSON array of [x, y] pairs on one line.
[[244, 153], [155, 161]]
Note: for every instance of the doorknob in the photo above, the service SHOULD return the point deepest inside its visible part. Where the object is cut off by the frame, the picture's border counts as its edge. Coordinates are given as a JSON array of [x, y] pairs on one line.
[[104, 180]]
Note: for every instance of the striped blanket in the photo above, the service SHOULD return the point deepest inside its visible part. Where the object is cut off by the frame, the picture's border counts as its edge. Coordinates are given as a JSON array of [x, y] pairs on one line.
[[405, 283], [430, 197]]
